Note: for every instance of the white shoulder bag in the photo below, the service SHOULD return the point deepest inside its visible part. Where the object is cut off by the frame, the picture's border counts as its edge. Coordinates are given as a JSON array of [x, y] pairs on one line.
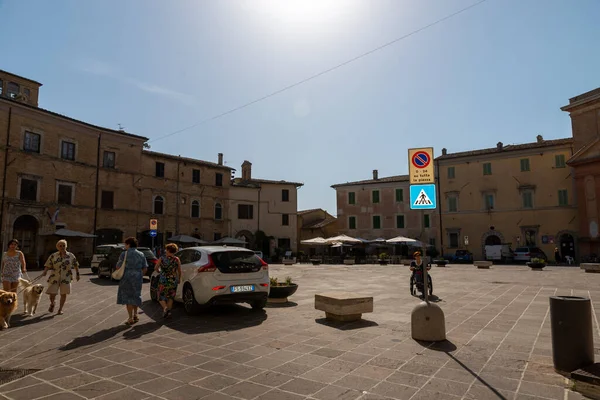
[[118, 273]]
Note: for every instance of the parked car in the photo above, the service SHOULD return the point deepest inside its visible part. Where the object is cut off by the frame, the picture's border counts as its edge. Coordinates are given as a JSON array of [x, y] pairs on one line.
[[100, 253], [219, 275], [259, 254], [526, 253], [462, 256], [109, 264]]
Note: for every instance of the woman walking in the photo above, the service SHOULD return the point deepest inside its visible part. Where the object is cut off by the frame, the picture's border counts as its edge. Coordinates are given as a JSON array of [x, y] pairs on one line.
[[130, 285], [169, 278], [60, 265], [13, 266]]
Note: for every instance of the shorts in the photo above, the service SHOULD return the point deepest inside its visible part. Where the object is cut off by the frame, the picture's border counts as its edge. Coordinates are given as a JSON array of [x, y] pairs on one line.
[[65, 288]]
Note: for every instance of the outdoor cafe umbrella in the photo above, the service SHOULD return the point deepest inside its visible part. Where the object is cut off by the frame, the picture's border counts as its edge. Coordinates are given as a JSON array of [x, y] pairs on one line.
[[231, 241], [186, 239], [315, 241], [343, 239], [69, 233], [401, 240]]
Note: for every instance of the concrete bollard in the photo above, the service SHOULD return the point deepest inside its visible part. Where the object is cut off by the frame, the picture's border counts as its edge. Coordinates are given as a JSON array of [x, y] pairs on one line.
[[572, 334]]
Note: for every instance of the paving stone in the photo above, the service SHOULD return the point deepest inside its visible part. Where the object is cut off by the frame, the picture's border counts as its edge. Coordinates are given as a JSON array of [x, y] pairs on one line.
[[448, 387], [61, 396], [74, 381], [333, 392], [189, 375], [124, 394], [216, 382], [356, 382], [187, 392], [279, 395], [394, 391], [407, 379], [271, 378], [97, 389], [32, 392], [302, 386], [246, 390], [135, 377]]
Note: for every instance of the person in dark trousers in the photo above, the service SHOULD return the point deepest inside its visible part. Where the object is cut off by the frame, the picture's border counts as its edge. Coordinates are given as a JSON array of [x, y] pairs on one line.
[[557, 256]]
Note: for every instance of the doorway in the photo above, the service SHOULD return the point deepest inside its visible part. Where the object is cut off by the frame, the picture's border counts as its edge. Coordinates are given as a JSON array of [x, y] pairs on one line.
[[492, 240], [567, 245], [25, 231]]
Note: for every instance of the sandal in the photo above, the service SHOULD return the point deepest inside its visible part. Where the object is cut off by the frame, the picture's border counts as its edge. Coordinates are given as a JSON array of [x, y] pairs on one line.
[[51, 309], [168, 314], [130, 321], [60, 312], [136, 318]]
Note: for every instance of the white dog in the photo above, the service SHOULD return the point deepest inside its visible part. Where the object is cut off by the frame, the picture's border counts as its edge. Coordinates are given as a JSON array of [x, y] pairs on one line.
[[31, 296]]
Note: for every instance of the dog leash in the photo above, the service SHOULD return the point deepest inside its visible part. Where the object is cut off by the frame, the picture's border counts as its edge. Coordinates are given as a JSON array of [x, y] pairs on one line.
[[30, 282]]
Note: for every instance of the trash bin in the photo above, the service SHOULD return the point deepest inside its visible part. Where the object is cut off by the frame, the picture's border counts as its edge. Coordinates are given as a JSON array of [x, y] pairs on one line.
[[572, 335]]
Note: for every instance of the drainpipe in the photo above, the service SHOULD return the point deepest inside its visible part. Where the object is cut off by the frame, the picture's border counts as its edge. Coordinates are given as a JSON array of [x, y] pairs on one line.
[[439, 201], [4, 175], [178, 199], [96, 192]]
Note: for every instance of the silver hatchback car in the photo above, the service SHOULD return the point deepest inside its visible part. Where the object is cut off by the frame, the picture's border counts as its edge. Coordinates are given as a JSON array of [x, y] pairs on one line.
[[219, 275]]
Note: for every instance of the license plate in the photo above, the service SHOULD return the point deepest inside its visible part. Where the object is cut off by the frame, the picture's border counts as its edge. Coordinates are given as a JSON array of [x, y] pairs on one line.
[[243, 288]]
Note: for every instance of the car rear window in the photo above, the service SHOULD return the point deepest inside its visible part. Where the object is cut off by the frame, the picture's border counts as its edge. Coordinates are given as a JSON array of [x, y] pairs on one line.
[[236, 261], [102, 250], [461, 252], [147, 253], [522, 250]]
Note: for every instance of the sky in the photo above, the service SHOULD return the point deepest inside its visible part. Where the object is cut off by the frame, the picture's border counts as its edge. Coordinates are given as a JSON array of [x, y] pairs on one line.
[[497, 72]]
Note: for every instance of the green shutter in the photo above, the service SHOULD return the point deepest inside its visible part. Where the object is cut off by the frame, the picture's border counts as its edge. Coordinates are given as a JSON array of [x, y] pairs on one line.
[[563, 197], [528, 200], [352, 222], [399, 195], [452, 204], [524, 164], [451, 173], [376, 222], [426, 221], [487, 168], [400, 221], [351, 198], [560, 161], [375, 196]]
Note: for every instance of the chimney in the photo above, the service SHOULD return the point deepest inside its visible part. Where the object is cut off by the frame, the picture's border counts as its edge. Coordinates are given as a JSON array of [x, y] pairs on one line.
[[375, 175], [499, 145], [246, 171], [220, 162], [540, 138], [444, 151]]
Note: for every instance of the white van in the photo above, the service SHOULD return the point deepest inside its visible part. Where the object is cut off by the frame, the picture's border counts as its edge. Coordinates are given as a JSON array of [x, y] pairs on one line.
[[100, 254]]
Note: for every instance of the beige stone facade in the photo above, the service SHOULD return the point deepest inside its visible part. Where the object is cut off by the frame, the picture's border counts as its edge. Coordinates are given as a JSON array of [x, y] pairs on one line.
[[267, 206], [518, 194], [58, 172], [380, 208], [315, 223]]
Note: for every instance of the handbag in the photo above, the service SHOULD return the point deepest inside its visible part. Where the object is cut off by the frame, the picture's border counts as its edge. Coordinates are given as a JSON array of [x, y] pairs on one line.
[[118, 273]]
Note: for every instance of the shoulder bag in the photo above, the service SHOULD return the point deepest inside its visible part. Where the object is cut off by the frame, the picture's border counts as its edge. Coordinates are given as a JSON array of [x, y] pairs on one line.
[[118, 273]]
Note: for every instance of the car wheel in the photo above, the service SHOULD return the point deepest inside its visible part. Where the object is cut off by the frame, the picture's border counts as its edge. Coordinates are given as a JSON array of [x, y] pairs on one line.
[[98, 273], [189, 301], [154, 289], [259, 304]]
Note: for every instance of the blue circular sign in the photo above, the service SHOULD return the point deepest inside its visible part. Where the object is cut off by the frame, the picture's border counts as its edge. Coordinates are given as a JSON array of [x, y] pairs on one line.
[[421, 159], [153, 233]]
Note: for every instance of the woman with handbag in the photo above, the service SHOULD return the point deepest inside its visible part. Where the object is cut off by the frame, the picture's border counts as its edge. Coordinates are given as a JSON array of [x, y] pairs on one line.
[[130, 271]]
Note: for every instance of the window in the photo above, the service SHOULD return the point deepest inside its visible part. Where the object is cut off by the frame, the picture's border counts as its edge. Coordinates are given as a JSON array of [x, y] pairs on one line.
[[351, 222], [285, 195], [285, 219], [195, 176], [216, 236], [376, 222], [453, 240], [31, 142], [432, 241], [563, 197], [107, 201], [67, 150], [284, 244], [195, 209], [159, 205], [489, 201], [525, 164], [452, 204], [109, 159], [527, 199], [375, 196], [245, 211], [530, 235], [160, 170], [426, 221], [218, 179], [351, 198], [218, 211], [400, 221], [13, 89], [451, 173], [399, 195], [27, 93], [559, 161], [487, 168], [29, 189], [64, 193]]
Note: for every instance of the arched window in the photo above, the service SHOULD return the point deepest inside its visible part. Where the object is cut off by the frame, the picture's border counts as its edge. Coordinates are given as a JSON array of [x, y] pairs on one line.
[[195, 209], [218, 211], [159, 205]]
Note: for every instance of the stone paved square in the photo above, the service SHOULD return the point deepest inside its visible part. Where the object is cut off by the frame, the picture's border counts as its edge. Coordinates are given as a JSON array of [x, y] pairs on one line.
[[497, 323]]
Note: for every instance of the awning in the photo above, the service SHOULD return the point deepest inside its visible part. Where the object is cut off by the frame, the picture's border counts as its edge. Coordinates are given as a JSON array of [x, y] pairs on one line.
[[186, 239], [230, 240], [68, 233]]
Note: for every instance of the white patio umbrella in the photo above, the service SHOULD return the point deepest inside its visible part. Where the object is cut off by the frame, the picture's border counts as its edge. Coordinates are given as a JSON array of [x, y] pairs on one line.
[[343, 239], [402, 239], [315, 241]]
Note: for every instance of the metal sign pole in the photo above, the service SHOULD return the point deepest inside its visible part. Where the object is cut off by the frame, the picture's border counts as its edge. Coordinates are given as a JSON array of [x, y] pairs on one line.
[[424, 260]]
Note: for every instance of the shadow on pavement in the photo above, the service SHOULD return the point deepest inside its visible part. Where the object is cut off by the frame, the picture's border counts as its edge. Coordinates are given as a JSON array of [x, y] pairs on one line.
[[446, 346], [105, 281], [216, 318], [137, 331], [22, 319], [282, 305], [433, 298], [476, 376], [347, 326], [95, 338]]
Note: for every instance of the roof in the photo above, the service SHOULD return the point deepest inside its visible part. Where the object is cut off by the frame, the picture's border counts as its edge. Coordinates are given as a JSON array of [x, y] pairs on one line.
[[192, 160], [255, 183], [319, 224], [578, 158], [587, 97], [302, 212], [397, 178], [508, 148], [20, 77], [72, 119]]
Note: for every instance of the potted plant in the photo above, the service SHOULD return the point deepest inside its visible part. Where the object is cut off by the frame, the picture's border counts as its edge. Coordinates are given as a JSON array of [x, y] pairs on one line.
[[383, 258], [280, 291], [537, 264], [440, 262]]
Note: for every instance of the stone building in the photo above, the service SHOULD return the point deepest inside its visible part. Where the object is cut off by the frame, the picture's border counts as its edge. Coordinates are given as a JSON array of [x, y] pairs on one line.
[[519, 194], [267, 206], [380, 208], [584, 111], [314, 223], [58, 172]]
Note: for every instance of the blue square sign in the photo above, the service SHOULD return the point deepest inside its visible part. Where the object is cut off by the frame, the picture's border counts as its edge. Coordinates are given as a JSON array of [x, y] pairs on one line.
[[422, 197]]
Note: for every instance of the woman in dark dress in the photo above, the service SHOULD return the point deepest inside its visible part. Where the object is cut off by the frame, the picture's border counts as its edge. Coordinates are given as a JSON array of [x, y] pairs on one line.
[[169, 278], [130, 285]]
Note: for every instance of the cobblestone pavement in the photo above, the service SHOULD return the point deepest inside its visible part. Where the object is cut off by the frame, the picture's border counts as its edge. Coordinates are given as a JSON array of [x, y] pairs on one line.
[[497, 322]]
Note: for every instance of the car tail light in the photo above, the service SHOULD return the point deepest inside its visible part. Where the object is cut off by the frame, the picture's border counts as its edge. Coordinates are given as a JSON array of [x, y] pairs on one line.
[[527, 254], [218, 287], [210, 267], [264, 284], [154, 261], [263, 264]]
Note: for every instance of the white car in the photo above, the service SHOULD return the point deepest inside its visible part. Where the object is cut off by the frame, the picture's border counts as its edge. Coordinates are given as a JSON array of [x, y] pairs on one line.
[[100, 253], [219, 275]]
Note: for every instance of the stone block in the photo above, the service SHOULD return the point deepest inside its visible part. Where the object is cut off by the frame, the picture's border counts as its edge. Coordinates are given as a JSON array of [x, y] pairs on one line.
[[483, 264], [343, 306], [591, 267]]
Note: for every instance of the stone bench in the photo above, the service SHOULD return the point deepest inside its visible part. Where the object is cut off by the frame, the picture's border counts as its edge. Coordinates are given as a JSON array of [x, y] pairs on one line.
[[405, 261], [343, 306], [591, 267], [289, 261], [483, 264], [349, 261]]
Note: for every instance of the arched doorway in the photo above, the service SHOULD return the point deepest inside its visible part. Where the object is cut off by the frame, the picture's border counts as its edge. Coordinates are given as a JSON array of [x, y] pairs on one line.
[[247, 236], [25, 231], [567, 245], [493, 240]]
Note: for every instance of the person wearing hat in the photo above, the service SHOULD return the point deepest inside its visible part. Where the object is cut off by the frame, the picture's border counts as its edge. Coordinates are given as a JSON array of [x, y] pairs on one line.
[[417, 266]]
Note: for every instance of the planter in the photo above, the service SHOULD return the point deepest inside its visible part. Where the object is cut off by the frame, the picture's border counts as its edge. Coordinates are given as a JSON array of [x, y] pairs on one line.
[[383, 262], [315, 262], [536, 266], [279, 294], [349, 261], [440, 263]]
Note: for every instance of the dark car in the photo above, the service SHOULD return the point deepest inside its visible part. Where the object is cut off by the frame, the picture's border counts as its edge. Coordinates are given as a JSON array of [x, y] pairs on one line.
[[462, 256], [108, 265], [526, 253]]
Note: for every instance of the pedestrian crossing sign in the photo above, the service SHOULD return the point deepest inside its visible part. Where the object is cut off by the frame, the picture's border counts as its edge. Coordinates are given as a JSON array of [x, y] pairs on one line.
[[422, 197]]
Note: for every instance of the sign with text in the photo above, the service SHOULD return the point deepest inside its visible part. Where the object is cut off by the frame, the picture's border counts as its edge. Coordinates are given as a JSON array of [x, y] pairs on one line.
[[420, 166], [153, 224]]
